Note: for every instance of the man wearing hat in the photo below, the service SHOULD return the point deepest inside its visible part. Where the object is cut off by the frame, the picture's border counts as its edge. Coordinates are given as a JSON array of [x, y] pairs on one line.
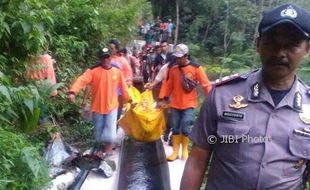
[[179, 86], [257, 126], [103, 80]]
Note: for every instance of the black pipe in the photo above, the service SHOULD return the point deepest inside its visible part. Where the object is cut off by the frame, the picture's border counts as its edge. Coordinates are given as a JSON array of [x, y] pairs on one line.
[[79, 180], [143, 166]]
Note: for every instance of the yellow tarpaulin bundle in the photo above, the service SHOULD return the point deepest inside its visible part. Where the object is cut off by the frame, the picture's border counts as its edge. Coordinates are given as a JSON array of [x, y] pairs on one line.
[[143, 122], [134, 94]]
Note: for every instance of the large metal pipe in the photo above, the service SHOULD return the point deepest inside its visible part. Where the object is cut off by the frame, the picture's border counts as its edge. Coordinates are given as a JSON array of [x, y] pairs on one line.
[[79, 180], [143, 166]]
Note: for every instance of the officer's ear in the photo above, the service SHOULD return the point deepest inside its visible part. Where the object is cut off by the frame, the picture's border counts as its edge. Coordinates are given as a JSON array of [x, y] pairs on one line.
[[307, 50], [257, 43]]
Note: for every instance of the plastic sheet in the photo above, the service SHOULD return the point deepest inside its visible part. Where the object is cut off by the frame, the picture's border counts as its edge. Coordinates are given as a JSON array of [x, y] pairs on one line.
[[143, 166], [56, 154]]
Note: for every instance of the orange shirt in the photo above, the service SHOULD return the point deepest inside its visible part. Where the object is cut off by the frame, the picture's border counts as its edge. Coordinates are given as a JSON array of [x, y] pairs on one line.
[[103, 84], [172, 86], [124, 66], [41, 68]]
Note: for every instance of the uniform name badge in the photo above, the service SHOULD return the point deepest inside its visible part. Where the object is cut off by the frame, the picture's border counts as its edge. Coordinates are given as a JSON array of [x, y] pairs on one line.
[[305, 114]]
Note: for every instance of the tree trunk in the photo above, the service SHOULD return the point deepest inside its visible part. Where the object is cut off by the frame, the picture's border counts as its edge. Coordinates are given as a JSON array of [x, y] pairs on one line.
[[177, 23], [270, 3], [260, 10], [206, 33], [226, 42]]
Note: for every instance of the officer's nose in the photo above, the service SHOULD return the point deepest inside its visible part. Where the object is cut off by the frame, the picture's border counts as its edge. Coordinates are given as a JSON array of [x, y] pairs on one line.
[[282, 52]]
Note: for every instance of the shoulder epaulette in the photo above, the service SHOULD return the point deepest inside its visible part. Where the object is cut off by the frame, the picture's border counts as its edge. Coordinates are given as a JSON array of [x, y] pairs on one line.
[[303, 83], [229, 79], [306, 86], [233, 78]]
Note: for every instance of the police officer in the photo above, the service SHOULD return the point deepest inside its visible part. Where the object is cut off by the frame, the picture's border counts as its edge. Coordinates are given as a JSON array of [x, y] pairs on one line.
[[256, 127]]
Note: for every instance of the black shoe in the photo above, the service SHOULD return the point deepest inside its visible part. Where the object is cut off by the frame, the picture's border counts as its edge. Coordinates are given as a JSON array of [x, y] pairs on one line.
[[166, 136], [170, 141]]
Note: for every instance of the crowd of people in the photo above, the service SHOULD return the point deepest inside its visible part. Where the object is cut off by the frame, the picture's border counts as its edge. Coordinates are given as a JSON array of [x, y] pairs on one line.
[[108, 81], [270, 102], [157, 30]]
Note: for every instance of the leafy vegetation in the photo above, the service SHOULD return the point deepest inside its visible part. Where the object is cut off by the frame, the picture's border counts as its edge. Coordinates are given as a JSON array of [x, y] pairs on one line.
[[72, 32], [22, 166], [21, 106], [224, 31], [26, 30]]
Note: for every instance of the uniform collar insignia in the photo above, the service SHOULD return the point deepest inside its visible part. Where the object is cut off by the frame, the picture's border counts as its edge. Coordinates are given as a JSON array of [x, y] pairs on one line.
[[237, 105], [298, 101], [305, 114], [255, 91]]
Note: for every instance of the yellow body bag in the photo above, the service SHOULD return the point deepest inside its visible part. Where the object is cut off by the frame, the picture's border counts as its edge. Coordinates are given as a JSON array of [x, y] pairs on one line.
[[144, 122]]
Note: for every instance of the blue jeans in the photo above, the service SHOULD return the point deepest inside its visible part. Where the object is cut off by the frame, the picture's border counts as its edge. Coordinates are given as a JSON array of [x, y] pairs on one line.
[[105, 126], [182, 121]]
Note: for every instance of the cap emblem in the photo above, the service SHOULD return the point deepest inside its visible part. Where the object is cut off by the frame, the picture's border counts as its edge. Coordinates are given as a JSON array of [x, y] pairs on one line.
[[289, 12]]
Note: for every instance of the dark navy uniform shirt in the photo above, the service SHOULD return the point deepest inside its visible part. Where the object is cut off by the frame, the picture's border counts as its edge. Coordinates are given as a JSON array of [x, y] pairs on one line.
[[256, 147]]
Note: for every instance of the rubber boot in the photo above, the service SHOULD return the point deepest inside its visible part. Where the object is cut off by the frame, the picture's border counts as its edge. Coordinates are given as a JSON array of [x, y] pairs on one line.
[[185, 141], [176, 140]]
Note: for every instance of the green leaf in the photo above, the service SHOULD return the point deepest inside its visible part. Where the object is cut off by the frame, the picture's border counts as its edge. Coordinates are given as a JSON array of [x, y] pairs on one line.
[[32, 120], [30, 104], [4, 78], [4, 91], [26, 27], [7, 27], [29, 158], [53, 88], [40, 27], [3, 118], [11, 113]]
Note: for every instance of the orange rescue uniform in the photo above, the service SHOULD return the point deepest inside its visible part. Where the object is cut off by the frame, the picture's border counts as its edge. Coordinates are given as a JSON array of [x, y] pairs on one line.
[[180, 99], [41, 68], [103, 84], [124, 66]]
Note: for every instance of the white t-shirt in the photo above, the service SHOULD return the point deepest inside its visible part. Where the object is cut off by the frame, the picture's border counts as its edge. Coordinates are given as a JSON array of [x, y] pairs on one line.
[[162, 73]]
